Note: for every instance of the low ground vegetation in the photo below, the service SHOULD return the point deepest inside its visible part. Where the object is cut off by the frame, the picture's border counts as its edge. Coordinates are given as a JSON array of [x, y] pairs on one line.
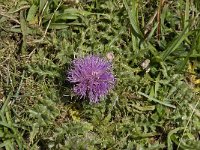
[[155, 49]]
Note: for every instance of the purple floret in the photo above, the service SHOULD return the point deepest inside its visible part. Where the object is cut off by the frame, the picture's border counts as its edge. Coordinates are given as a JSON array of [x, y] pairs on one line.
[[92, 77]]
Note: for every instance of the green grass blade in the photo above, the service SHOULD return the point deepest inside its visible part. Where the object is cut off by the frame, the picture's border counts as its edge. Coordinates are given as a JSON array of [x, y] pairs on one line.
[[187, 13], [5, 125], [6, 103], [7, 144], [41, 6], [175, 44], [156, 100], [133, 19]]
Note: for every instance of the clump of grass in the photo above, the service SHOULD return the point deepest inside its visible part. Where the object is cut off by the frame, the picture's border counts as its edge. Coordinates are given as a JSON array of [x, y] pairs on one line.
[[156, 62]]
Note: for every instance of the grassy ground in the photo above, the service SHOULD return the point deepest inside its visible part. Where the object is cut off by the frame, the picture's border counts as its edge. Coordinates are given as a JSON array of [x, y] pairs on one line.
[[155, 103]]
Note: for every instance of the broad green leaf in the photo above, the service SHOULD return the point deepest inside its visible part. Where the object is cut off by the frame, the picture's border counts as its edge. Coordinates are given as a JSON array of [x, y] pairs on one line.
[[32, 12], [169, 141]]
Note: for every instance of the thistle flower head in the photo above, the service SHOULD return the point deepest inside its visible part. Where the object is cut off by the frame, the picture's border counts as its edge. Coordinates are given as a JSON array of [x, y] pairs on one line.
[[92, 77]]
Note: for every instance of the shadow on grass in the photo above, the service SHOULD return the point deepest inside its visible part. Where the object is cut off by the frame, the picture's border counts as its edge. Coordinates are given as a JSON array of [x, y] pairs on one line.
[[65, 90]]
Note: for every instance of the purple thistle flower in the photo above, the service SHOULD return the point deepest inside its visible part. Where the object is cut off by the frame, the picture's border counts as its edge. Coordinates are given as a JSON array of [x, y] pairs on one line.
[[92, 77]]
